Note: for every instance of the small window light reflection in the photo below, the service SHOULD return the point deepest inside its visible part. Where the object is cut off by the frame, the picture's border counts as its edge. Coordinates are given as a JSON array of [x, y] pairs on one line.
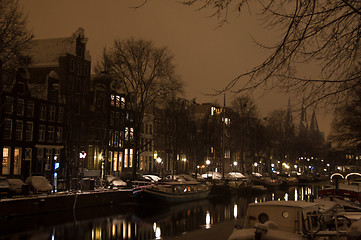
[[235, 211], [273, 196], [296, 194], [208, 220], [113, 230], [286, 196], [158, 234]]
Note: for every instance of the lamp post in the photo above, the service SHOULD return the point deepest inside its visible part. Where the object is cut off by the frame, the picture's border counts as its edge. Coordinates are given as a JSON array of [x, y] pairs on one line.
[[235, 165], [159, 161], [185, 164], [208, 162]]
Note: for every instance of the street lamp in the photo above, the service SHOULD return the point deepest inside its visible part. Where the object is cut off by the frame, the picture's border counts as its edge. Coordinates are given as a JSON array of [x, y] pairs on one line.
[[159, 161], [208, 162], [235, 165], [185, 164]]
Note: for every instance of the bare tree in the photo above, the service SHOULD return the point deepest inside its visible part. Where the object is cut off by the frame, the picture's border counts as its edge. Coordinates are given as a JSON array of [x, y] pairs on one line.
[[244, 124], [14, 36], [323, 33], [146, 74], [346, 126]]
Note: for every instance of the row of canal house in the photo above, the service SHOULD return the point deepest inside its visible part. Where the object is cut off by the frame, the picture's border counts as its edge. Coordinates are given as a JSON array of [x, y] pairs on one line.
[[59, 122]]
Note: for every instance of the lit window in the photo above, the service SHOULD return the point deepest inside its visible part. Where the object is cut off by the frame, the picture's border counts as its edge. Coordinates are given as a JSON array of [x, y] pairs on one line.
[[130, 157], [6, 161], [115, 162], [120, 161], [17, 161], [122, 102], [112, 100], [117, 101], [126, 157]]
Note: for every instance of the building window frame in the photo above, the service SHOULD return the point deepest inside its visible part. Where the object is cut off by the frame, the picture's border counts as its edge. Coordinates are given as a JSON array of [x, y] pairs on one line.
[[41, 136], [6, 160], [51, 132], [8, 127], [30, 109], [42, 112], [29, 131], [59, 134], [20, 107], [19, 130], [17, 160], [9, 109]]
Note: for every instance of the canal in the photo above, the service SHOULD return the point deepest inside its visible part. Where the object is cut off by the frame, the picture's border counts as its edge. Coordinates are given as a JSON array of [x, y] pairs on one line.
[[206, 219]]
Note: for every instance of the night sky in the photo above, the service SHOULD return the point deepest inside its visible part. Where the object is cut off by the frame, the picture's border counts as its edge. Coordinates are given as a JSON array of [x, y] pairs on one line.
[[206, 56]]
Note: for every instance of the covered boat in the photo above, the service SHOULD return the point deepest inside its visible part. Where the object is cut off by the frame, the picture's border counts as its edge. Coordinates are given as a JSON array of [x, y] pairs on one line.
[[278, 220], [172, 192]]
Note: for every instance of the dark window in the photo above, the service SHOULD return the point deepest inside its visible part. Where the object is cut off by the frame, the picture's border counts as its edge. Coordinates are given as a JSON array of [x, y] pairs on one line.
[[20, 107], [9, 105], [29, 131], [60, 114], [42, 114], [8, 128], [30, 110], [52, 113], [19, 130], [51, 134]]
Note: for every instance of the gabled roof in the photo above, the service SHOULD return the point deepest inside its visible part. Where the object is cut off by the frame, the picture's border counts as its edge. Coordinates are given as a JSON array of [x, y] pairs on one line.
[[46, 52]]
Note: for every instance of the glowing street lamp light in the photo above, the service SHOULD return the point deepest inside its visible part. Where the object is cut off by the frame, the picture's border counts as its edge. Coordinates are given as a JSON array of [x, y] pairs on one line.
[[208, 162]]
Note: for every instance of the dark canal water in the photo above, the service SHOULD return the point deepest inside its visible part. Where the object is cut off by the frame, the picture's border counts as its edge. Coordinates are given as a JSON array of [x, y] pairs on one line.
[[146, 221]]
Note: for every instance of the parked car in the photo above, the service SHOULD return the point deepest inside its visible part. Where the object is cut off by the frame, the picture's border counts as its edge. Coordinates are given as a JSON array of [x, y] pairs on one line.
[[153, 178], [17, 186], [114, 182], [128, 176], [213, 175], [4, 187], [38, 184]]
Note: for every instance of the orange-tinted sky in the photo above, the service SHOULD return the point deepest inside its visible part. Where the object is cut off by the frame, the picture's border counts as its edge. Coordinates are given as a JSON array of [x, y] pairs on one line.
[[206, 56]]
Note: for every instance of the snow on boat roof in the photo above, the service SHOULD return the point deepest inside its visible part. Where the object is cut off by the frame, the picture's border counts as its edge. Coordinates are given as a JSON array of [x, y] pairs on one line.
[[299, 204]]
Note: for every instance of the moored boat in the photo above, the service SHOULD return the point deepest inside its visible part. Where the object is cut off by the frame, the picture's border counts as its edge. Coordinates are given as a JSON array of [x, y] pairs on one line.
[[172, 192], [351, 191], [278, 220]]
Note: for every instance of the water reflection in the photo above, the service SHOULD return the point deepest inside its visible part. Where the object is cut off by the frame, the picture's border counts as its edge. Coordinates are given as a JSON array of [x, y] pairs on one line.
[[141, 222]]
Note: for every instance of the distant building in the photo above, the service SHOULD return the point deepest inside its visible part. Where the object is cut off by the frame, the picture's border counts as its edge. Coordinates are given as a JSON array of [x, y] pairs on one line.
[[33, 129], [67, 58]]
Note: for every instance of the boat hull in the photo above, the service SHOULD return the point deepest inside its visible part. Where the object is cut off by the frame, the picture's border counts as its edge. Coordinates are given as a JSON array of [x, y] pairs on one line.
[[143, 194]]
